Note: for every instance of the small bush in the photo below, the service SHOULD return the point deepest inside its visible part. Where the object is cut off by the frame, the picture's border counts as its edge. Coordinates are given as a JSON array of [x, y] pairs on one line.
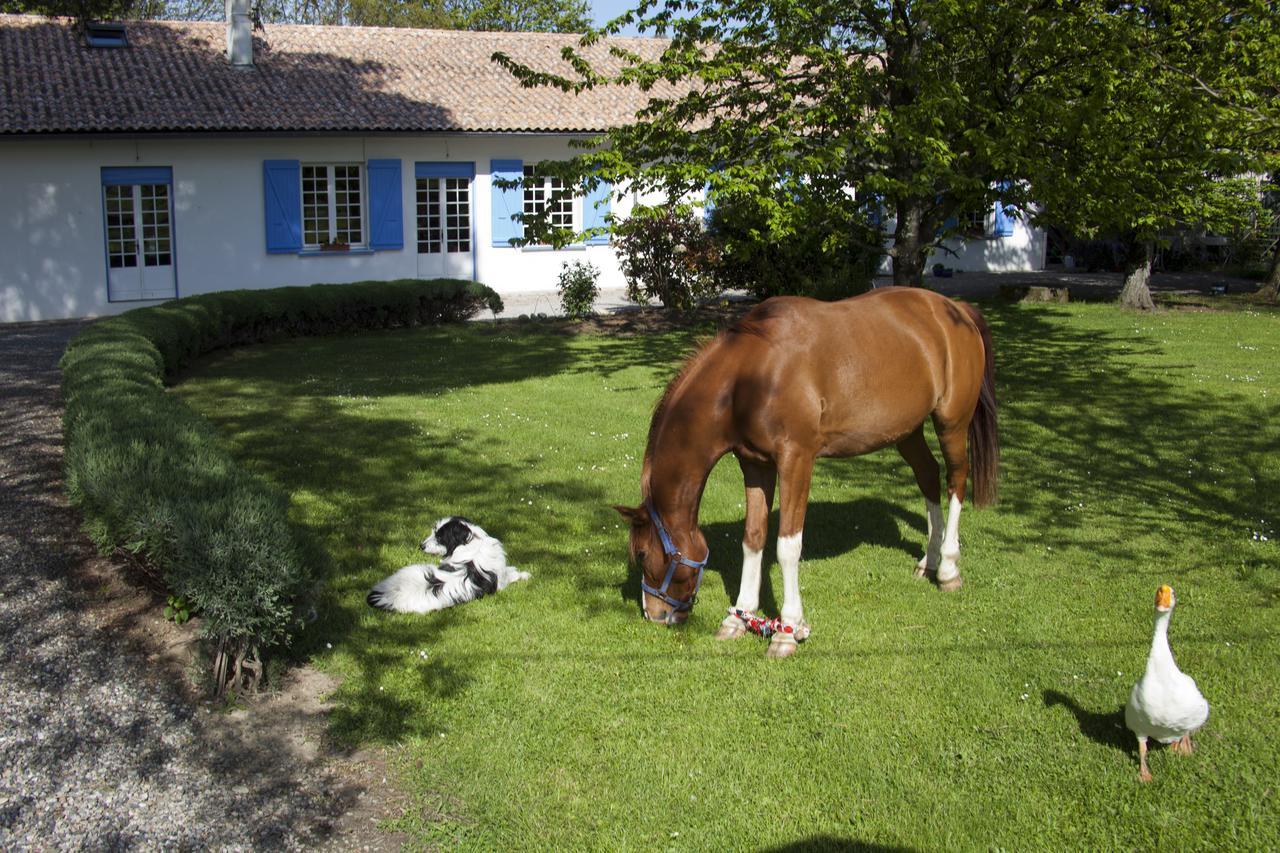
[[667, 256], [150, 476], [812, 250], [579, 286]]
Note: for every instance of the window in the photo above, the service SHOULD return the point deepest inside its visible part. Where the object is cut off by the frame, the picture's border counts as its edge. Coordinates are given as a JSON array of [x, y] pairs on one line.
[[105, 34], [444, 215], [332, 208], [549, 194], [973, 224], [122, 230], [138, 218]]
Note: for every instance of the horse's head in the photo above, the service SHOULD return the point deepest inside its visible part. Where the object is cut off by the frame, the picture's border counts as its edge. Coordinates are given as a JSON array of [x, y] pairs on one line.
[[670, 579]]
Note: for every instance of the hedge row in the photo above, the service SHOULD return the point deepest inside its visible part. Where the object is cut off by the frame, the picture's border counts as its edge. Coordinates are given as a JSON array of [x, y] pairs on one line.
[[149, 476]]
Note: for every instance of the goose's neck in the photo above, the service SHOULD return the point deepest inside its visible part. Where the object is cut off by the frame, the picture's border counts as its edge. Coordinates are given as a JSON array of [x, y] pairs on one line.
[[1160, 651]]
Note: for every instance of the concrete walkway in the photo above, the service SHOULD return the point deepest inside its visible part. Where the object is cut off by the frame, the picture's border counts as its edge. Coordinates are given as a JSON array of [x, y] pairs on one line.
[[968, 285]]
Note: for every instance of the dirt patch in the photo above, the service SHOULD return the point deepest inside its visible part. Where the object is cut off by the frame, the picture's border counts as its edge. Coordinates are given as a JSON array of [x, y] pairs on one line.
[[286, 724]]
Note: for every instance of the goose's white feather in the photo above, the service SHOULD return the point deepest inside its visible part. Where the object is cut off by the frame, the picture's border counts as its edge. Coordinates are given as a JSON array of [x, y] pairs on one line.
[[1165, 704]]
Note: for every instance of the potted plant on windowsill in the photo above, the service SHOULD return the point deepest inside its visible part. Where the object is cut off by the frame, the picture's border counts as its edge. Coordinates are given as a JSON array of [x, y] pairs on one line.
[[335, 246]]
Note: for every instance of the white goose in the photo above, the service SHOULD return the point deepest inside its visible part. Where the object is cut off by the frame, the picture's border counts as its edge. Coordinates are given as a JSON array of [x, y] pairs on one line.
[[1165, 704]]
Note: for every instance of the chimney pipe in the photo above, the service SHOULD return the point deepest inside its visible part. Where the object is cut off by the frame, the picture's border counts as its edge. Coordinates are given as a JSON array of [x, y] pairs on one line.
[[240, 33]]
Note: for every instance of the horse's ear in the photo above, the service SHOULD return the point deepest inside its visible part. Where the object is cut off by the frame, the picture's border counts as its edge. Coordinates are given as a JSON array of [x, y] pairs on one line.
[[635, 515]]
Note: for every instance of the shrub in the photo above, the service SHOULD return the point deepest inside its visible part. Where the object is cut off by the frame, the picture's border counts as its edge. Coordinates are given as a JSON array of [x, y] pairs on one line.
[[668, 256], [807, 250], [579, 288], [150, 476]]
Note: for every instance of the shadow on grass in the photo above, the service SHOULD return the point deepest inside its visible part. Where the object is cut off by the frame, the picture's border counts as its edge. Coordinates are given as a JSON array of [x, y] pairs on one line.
[[834, 844], [306, 418], [1079, 416], [1106, 729], [831, 529]]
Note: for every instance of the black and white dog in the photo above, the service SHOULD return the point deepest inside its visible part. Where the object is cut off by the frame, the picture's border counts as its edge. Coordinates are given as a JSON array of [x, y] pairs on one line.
[[474, 565]]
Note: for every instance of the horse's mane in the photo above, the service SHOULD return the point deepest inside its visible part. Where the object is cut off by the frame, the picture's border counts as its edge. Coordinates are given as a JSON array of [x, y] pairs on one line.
[[660, 408], [756, 323]]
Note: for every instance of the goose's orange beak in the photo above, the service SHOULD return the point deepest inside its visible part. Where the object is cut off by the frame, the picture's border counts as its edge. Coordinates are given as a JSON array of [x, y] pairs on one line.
[[1164, 598]]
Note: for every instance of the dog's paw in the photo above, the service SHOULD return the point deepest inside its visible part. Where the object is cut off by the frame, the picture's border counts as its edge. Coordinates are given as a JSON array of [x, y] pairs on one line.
[[520, 576]]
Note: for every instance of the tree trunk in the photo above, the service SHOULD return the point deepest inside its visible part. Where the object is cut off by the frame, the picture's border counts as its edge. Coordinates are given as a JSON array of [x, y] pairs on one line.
[[1270, 291], [910, 249], [1137, 276]]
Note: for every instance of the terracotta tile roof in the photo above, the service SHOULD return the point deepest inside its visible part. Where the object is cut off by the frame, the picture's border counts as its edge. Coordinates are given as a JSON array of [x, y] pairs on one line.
[[175, 76]]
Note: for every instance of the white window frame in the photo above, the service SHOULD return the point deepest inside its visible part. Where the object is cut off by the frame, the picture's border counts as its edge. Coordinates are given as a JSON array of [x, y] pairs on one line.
[[138, 229], [976, 224], [450, 207], [542, 191], [330, 198]]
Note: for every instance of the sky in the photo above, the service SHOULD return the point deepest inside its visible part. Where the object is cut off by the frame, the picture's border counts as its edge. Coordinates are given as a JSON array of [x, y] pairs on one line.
[[603, 11]]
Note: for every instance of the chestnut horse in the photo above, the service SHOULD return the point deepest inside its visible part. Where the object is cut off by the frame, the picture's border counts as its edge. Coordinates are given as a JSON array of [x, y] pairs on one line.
[[796, 379]]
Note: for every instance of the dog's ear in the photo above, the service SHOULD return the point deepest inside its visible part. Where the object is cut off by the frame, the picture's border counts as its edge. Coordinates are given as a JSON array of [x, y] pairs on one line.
[[635, 515]]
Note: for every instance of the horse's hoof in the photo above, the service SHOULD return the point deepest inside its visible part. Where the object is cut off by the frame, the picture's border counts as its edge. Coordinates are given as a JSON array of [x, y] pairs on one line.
[[781, 646], [731, 629], [949, 585]]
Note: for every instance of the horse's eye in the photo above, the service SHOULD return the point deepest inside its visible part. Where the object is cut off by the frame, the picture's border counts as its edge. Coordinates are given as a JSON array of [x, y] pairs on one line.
[[640, 557]]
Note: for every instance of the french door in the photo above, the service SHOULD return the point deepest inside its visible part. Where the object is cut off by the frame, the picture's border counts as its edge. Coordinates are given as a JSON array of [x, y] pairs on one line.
[[139, 234], [445, 220]]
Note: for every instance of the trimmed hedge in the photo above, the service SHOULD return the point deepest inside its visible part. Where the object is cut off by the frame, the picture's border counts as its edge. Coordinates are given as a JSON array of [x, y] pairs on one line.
[[150, 477]]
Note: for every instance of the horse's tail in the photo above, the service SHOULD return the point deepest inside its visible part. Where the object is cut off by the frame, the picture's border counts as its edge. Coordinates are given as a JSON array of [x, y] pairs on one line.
[[984, 435]]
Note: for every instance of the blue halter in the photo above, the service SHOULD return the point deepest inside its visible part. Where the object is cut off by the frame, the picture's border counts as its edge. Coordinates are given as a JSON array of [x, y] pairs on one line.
[[674, 558]]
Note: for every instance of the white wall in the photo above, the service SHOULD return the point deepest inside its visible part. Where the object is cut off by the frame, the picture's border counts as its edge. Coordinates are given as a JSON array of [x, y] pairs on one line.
[[52, 254], [1022, 251]]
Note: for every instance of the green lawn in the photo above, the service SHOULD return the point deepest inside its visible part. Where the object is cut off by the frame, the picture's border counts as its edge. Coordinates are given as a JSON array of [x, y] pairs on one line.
[[1138, 449]]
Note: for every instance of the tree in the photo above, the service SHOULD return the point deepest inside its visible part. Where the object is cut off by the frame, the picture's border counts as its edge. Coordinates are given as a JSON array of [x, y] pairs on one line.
[[1270, 290], [1161, 125], [80, 10], [1119, 117], [797, 102], [509, 15]]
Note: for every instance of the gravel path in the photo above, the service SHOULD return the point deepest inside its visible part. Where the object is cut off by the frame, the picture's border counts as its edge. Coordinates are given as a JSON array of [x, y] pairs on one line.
[[97, 749]]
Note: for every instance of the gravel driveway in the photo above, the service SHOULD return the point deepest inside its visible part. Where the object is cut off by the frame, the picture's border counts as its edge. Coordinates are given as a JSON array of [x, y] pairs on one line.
[[97, 749]]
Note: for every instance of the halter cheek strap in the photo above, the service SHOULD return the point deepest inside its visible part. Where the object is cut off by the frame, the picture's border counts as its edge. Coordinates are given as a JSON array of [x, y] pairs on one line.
[[674, 558]]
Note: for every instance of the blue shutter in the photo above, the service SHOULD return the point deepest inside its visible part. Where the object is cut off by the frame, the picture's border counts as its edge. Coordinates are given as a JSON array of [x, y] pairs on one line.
[[445, 169], [386, 205], [949, 224], [506, 203], [595, 211], [875, 210], [282, 196], [1004, 216], [119, 176]]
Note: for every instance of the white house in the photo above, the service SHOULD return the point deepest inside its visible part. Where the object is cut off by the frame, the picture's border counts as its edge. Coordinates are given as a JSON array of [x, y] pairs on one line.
[[164, 159]]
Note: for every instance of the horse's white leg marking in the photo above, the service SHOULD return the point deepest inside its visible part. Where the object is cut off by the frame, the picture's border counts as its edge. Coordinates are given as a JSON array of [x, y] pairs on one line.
[[933, 543], [947, 569], [783, 643], [789, 560], [749, 591], [731, 627]]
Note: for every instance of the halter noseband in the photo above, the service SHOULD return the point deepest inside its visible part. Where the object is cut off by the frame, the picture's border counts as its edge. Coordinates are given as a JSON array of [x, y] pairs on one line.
[[674, 558]]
